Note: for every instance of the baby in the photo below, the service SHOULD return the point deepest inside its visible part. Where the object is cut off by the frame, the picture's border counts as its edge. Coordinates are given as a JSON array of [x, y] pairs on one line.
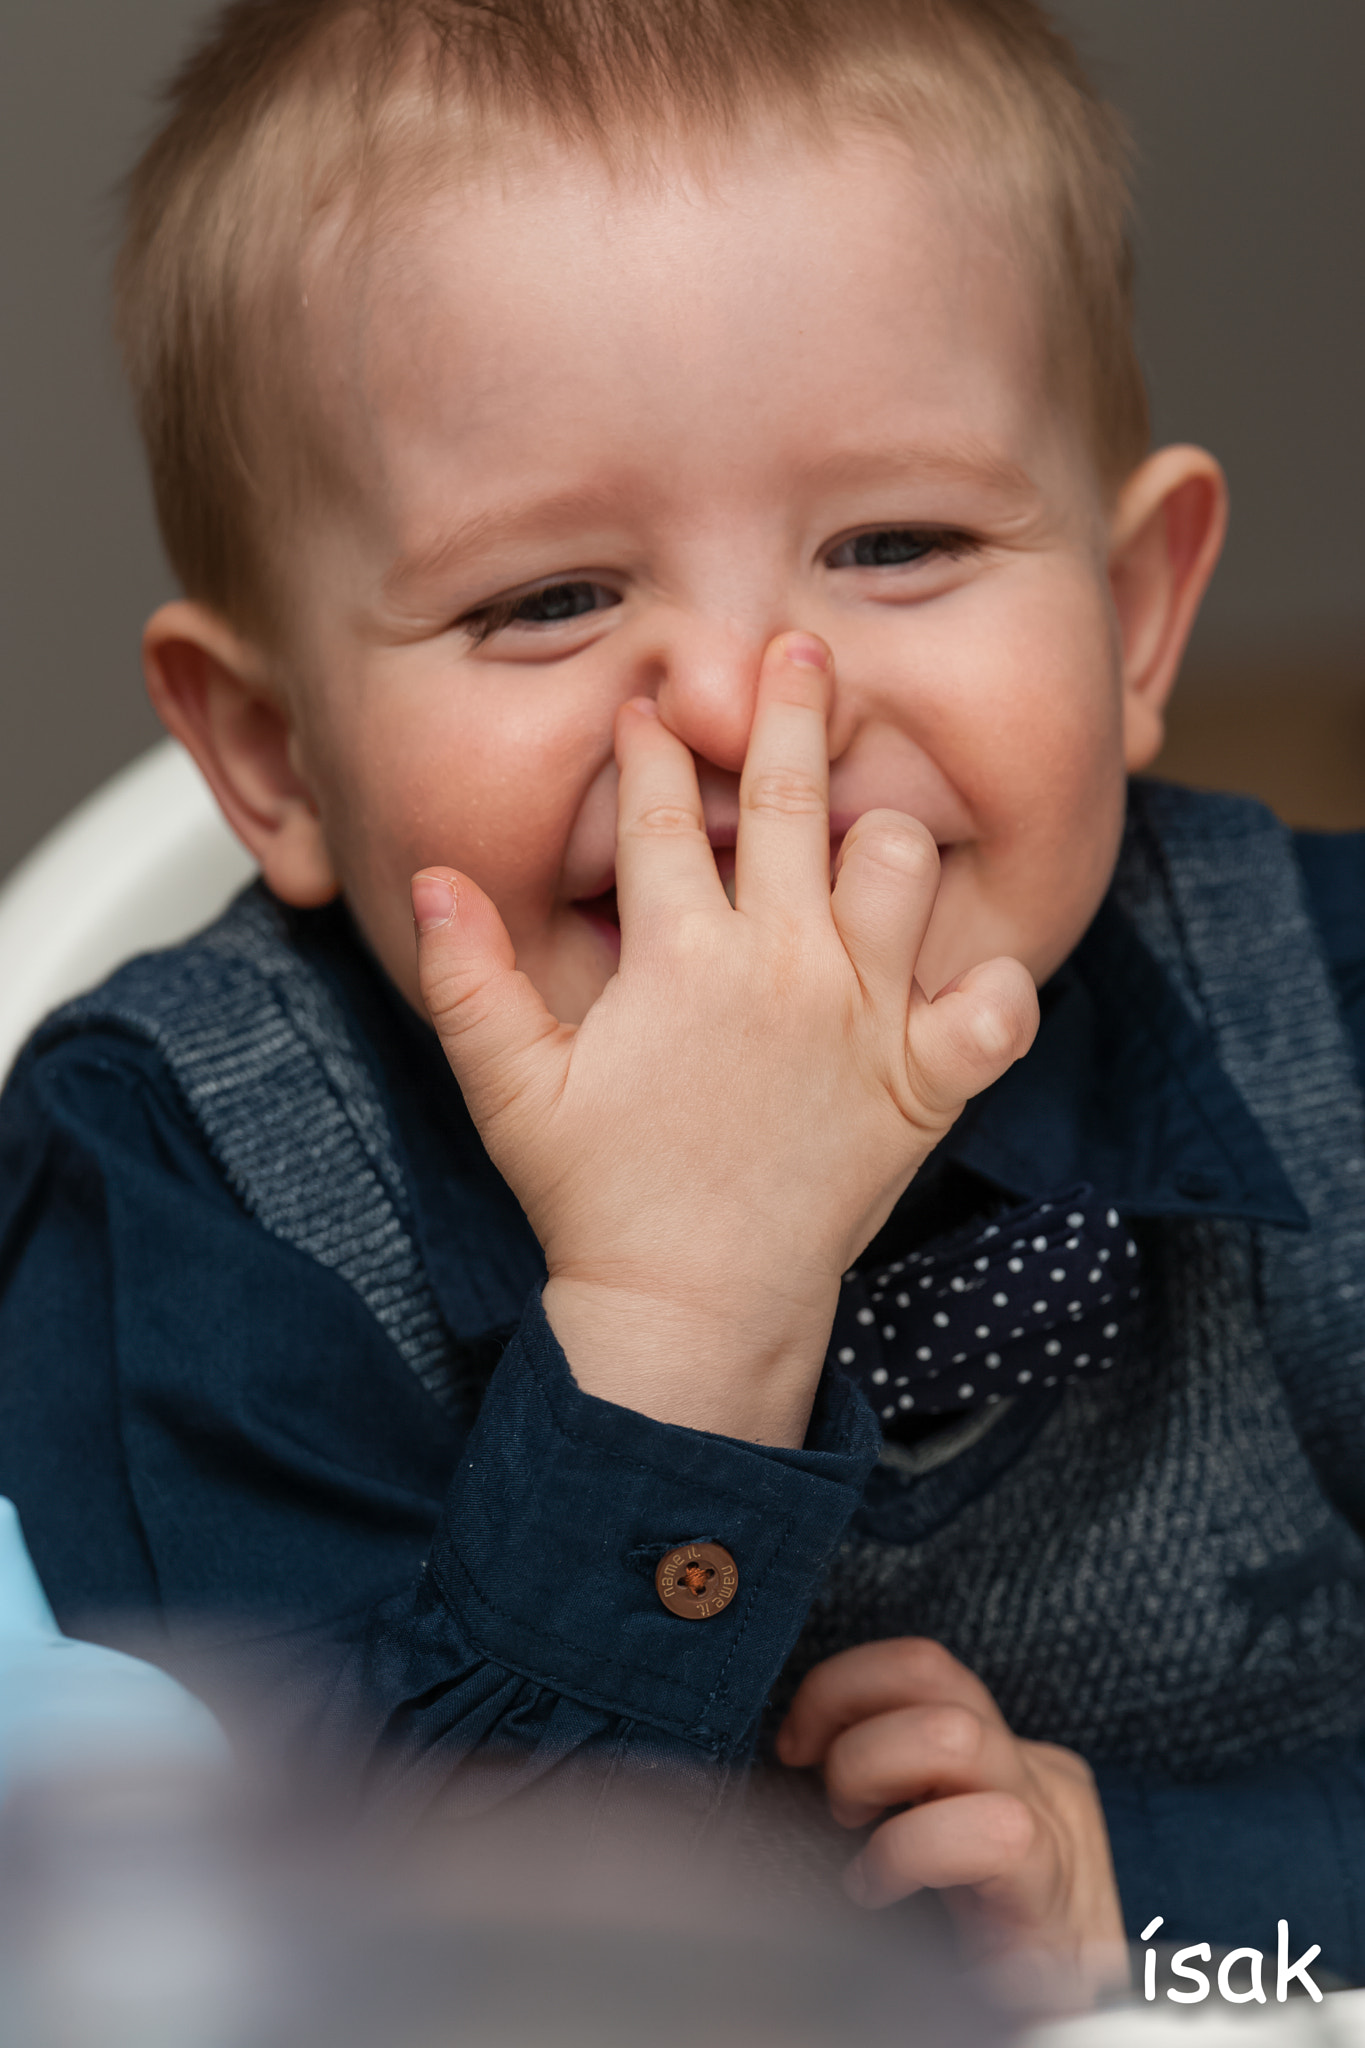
[[662, 494]]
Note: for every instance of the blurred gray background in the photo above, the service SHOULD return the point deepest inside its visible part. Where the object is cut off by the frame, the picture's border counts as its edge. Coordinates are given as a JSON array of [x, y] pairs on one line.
[[1248, 118]]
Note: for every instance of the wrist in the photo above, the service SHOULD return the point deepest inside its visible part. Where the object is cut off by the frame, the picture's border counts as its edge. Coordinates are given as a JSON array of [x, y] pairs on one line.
[[749, 1372]]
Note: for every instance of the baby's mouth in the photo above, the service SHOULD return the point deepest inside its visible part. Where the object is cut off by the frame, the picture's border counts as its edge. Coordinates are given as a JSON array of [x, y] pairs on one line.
[[603, 910]]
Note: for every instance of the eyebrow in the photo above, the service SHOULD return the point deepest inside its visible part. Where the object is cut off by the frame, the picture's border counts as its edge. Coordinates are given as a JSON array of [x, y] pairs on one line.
[[520, 521], [964, 461]]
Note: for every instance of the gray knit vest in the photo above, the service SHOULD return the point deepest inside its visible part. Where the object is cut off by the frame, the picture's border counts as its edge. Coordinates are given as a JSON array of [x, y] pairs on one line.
[[1159, 1568]]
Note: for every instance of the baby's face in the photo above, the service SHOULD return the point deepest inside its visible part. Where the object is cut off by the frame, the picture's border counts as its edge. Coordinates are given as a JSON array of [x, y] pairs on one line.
[[610, 438]]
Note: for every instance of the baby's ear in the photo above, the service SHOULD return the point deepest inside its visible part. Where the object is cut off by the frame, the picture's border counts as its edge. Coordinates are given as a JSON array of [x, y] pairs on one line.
[[213, 692], [1166, 535]]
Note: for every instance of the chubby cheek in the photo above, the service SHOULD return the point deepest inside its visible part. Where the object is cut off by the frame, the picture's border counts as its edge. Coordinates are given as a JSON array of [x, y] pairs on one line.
[[1045, 785], [454, 791]]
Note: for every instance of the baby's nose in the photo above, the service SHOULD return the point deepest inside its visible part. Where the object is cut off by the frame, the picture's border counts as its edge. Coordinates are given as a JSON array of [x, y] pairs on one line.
[[705, 687]]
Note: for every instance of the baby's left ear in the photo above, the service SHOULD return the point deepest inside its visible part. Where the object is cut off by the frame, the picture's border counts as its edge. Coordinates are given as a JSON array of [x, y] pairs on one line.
[[1166, 535]]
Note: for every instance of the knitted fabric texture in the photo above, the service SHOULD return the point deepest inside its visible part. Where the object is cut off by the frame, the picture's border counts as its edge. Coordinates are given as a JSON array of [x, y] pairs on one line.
[[264, 1059]]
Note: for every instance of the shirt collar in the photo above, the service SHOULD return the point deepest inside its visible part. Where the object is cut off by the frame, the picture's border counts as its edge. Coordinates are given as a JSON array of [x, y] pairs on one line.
[[1122, 1088]]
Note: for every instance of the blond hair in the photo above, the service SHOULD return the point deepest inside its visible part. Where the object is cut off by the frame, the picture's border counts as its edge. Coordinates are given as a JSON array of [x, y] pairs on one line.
[[292, 109]]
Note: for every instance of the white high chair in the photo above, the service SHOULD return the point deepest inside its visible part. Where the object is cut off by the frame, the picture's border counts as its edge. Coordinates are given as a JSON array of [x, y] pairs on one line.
[[142, 863]]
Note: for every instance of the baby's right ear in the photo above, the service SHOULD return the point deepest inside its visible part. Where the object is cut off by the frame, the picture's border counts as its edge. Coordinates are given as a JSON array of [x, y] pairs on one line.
[[212, 692]]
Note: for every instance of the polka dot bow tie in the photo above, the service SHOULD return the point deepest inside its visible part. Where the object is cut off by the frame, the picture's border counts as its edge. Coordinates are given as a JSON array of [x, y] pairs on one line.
[[1040, 1296]]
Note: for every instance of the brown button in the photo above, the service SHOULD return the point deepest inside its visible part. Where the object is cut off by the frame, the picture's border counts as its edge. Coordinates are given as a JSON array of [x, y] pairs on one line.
[[697, 1581]]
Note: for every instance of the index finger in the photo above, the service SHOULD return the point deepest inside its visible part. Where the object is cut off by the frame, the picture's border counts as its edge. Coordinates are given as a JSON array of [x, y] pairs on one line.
[[876, 1678], [782, 850], [663, 856]]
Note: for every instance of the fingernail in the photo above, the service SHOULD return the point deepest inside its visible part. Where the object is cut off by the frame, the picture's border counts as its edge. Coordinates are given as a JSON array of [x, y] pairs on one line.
[[644, 707], [856, 1885], [804, 651], [433, 901]]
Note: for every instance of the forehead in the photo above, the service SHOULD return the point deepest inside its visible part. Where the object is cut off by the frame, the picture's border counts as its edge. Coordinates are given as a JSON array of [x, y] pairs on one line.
[[554, 325]]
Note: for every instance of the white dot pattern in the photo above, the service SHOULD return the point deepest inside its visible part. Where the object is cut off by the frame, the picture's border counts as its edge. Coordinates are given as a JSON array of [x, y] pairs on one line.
[[1046, 1274]]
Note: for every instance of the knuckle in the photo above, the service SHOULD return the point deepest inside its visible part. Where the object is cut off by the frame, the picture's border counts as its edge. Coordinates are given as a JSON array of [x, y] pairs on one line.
[[457, 1001], [1013, 1826], [923, 1661], [900, 843], [663, 820], [988, 1032], [692, 940], [954, 1733], [1064, 1763], [1003, 1016], [783, 793], [968, 1044]]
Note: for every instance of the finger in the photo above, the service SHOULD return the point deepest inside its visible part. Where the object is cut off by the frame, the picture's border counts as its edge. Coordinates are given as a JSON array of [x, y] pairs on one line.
[[971, 1032], [504, 1048], [915, 1753], [663, 856], [883, 899], [875, 1678], [981, 1839], [782, 850]]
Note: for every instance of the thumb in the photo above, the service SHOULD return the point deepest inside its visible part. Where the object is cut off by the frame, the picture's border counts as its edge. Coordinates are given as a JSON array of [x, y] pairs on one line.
[[504, 1047], [24, 1609]]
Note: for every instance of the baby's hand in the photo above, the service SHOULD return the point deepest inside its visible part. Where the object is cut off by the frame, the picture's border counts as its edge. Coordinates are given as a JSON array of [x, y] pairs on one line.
[[708, 1151], [1012, 1831]]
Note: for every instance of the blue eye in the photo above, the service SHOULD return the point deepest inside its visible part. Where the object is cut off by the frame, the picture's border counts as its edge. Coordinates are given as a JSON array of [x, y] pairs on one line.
[[551, 605], [895, 547], [561, 601]]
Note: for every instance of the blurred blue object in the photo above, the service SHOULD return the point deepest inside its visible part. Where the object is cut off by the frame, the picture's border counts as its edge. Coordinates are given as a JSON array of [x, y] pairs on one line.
[[67, 1705]]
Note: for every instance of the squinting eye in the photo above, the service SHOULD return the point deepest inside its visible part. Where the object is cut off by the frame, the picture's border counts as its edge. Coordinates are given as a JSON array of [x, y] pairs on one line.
[[548, 606], [893, 547], [561, 601]]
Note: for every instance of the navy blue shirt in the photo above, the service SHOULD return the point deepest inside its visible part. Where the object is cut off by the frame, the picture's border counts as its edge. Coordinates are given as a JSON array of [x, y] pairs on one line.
[[207, 1432]]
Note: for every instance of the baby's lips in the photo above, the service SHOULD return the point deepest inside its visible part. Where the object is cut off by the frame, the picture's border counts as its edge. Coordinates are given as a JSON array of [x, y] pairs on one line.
[[601, 909], [600, 899], [603, 882]]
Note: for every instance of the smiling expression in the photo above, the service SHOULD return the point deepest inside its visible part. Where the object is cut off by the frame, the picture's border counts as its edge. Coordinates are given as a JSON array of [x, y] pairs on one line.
[[608, 436]]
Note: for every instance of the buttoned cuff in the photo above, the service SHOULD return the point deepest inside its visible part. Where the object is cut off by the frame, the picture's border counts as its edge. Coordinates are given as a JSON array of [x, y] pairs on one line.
[[563, 1506]]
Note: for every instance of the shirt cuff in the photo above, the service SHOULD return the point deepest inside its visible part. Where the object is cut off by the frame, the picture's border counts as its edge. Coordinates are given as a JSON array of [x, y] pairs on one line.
[[563, 1505]]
